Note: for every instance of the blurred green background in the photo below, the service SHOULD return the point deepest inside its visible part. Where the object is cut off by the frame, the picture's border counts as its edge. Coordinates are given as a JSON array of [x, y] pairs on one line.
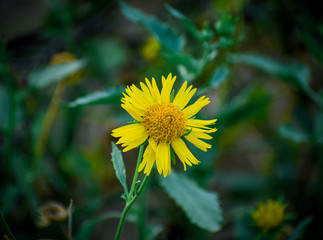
[[259, 62]]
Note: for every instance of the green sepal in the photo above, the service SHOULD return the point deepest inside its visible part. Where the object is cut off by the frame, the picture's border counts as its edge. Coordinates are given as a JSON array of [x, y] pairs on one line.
[[188, 132], [171, 97], [134, 121], [172, 154]]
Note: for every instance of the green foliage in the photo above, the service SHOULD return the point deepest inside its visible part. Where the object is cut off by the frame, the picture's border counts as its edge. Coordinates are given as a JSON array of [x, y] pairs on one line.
[[45, 76], [110, 96], [200, 206], [119, 167], [167, 37]]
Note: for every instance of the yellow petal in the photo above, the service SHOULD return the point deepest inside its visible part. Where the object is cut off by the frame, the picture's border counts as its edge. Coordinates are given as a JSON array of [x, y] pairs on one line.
[[197, 142], [147, 161], [167, 87], [200, 123], [193, 109], [183, 153], [184, 95], [163, 156]]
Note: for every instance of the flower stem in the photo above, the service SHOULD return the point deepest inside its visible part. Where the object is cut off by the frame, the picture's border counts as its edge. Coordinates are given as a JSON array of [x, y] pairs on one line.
[[133, 194]]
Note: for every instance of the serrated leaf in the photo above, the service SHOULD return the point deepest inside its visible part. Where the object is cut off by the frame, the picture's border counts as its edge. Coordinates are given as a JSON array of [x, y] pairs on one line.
[[43, 77], [200, 206], [294, 73], [165, 35], [119, 167], [109, 96]]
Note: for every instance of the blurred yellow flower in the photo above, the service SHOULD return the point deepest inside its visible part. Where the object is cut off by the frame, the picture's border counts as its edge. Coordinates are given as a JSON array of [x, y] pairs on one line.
[[269, 214], [151, 49], [64, 57], [164, 122], [51, 212]]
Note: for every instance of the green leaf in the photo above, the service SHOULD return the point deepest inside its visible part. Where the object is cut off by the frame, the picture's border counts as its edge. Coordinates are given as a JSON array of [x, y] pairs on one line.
[[292, 134], [225, 26], [300, 229], [119, 167], [200, 206], [110, 96], [88, 226], [219, 76], [188, 24], [43, 77], [296, 74], [160, 31]]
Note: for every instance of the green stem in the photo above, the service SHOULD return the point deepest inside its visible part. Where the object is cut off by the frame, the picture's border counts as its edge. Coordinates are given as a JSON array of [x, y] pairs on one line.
[[132, 198]]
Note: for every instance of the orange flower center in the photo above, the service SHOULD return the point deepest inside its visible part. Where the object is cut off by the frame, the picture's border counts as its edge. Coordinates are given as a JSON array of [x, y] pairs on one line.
[[164, 122]]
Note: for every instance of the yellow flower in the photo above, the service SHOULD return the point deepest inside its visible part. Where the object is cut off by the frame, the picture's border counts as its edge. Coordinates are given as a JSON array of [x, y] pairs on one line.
[[164, 123], [269, 214], [151, 49], [64, 57]]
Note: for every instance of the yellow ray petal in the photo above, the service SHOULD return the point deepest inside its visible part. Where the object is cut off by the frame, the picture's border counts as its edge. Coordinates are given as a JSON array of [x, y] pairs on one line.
[[191, 110], [200, 123], [163, 156], [184, 96], [197, 142], [167, 88], [147, 161], [183, 153]]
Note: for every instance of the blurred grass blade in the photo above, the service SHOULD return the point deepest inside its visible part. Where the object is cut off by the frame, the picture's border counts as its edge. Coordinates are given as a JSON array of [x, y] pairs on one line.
[[110, 96], [188, 24], [119, 167], [300, 229], [294, 73], [293, 134], [166, 36], [88, 226], [5, 230], [43, 77], [201, 207]]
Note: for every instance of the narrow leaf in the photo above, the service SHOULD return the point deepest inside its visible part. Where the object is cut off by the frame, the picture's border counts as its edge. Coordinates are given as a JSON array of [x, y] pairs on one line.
[[188, 24], [219, 76], [200, 206], [43, 77], [110, 96], [162, 32], [119, 167], [296, 74]]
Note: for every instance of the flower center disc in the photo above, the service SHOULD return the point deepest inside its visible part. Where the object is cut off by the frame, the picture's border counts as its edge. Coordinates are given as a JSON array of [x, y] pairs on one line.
[[164, 122]]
